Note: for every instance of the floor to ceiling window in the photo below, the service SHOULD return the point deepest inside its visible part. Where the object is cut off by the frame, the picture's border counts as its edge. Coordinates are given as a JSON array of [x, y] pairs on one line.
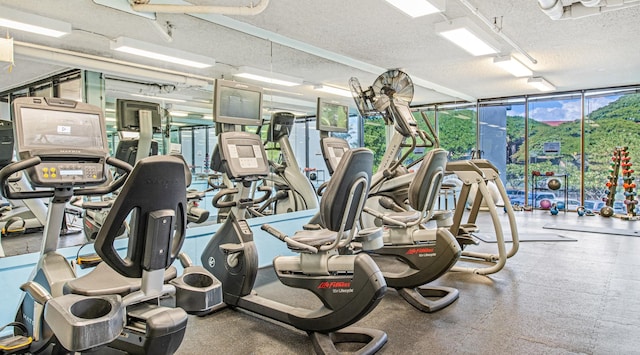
[[612, 119], [554, 142], [457, 130]]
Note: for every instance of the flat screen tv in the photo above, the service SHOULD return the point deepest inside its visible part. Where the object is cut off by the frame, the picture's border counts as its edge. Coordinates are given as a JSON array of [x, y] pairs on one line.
[[128, 115], [237, 103], [332, 117]]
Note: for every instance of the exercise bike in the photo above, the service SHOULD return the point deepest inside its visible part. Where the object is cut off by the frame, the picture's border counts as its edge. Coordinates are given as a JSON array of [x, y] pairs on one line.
[[349, 286], [118, 306]]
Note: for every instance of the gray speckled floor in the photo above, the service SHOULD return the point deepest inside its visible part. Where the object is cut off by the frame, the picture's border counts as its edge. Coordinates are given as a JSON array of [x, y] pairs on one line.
[[551, 298]]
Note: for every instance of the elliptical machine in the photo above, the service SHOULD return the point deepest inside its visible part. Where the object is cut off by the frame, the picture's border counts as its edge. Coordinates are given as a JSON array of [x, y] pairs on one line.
[[349, 286], [64, 155], [293, 190], [402, 202], [136, 122]]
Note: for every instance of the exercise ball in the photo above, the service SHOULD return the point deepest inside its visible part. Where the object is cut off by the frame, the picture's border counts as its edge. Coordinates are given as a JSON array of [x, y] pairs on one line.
[[545, 204], [554, 184], [606, 211]]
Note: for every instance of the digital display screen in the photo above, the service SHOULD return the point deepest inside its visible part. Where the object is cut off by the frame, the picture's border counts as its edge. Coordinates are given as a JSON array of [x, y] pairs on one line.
[[51, 128], [245, 151], [238, 103], [71, 172], [332, 117]]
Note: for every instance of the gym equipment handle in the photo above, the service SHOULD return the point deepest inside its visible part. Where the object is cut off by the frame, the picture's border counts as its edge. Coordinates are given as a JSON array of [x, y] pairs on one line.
[[276, 233], [267, 193], [223, 204], [15, 167], [39, 293]]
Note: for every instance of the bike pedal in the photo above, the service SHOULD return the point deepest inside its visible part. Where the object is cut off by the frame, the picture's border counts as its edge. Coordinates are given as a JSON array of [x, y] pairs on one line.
[[15, 344], [88, 260]]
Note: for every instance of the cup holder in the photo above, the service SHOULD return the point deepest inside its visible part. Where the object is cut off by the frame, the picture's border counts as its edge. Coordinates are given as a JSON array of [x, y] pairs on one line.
[[197, 280], [91, 308]]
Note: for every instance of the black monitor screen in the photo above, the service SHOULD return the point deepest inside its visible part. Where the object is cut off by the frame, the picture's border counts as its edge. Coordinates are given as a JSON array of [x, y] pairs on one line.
[[128, 115], [280, 125], [6, 142], [237, 103], [60, 129], [332, 117]]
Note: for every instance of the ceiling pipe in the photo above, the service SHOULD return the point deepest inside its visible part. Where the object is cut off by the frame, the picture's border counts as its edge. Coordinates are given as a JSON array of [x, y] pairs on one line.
[[252, 10], [68, 58], [497, 30], [580, 9]]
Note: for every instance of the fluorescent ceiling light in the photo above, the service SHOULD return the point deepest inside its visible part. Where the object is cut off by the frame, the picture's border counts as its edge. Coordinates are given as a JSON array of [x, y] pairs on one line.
[[269, 99], [541, 84], [513, 66], [23, 21], [267, 76], [466, 35], [333, 90], [158, 98], [178, 114], [283, 91], [417, 8], [149, 50]]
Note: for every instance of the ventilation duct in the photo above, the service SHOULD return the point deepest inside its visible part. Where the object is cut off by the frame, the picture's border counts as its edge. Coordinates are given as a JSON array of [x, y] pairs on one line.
[[556, 10]]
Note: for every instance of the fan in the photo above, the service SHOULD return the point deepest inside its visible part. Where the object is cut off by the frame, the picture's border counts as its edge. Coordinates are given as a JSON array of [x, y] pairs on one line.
[[364, 100], [394, 83]]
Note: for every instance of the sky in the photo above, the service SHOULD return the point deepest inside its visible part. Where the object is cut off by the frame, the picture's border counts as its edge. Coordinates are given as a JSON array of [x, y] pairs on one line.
[[560, 110]]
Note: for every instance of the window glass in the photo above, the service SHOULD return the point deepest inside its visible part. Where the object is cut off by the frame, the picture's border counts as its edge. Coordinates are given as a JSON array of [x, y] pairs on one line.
[[554, 150]]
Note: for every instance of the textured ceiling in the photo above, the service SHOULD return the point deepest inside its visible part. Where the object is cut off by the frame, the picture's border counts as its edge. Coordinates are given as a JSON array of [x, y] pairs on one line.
[[329, 41]]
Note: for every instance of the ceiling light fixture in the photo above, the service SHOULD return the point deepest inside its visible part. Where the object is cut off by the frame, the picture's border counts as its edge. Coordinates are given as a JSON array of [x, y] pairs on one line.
[[23, 21], [333, 90], [178, 114], [158, 98], [153, 51], [417, 8], [513, 66], [267, 76], [466, 35], [269, 99], [540, 83]]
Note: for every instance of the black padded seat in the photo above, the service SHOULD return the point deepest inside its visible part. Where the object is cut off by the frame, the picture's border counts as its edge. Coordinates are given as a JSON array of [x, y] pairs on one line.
[[315, 238], [404, 217], [104, 280]]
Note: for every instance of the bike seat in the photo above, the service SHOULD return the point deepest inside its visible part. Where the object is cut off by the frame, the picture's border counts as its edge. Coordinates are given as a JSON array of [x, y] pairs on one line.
[[93, 283], [404, 217], [314, 238]]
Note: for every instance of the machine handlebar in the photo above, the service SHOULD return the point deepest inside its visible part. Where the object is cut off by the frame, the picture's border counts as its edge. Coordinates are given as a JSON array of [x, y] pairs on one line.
[[9, 170], [223, 204]]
